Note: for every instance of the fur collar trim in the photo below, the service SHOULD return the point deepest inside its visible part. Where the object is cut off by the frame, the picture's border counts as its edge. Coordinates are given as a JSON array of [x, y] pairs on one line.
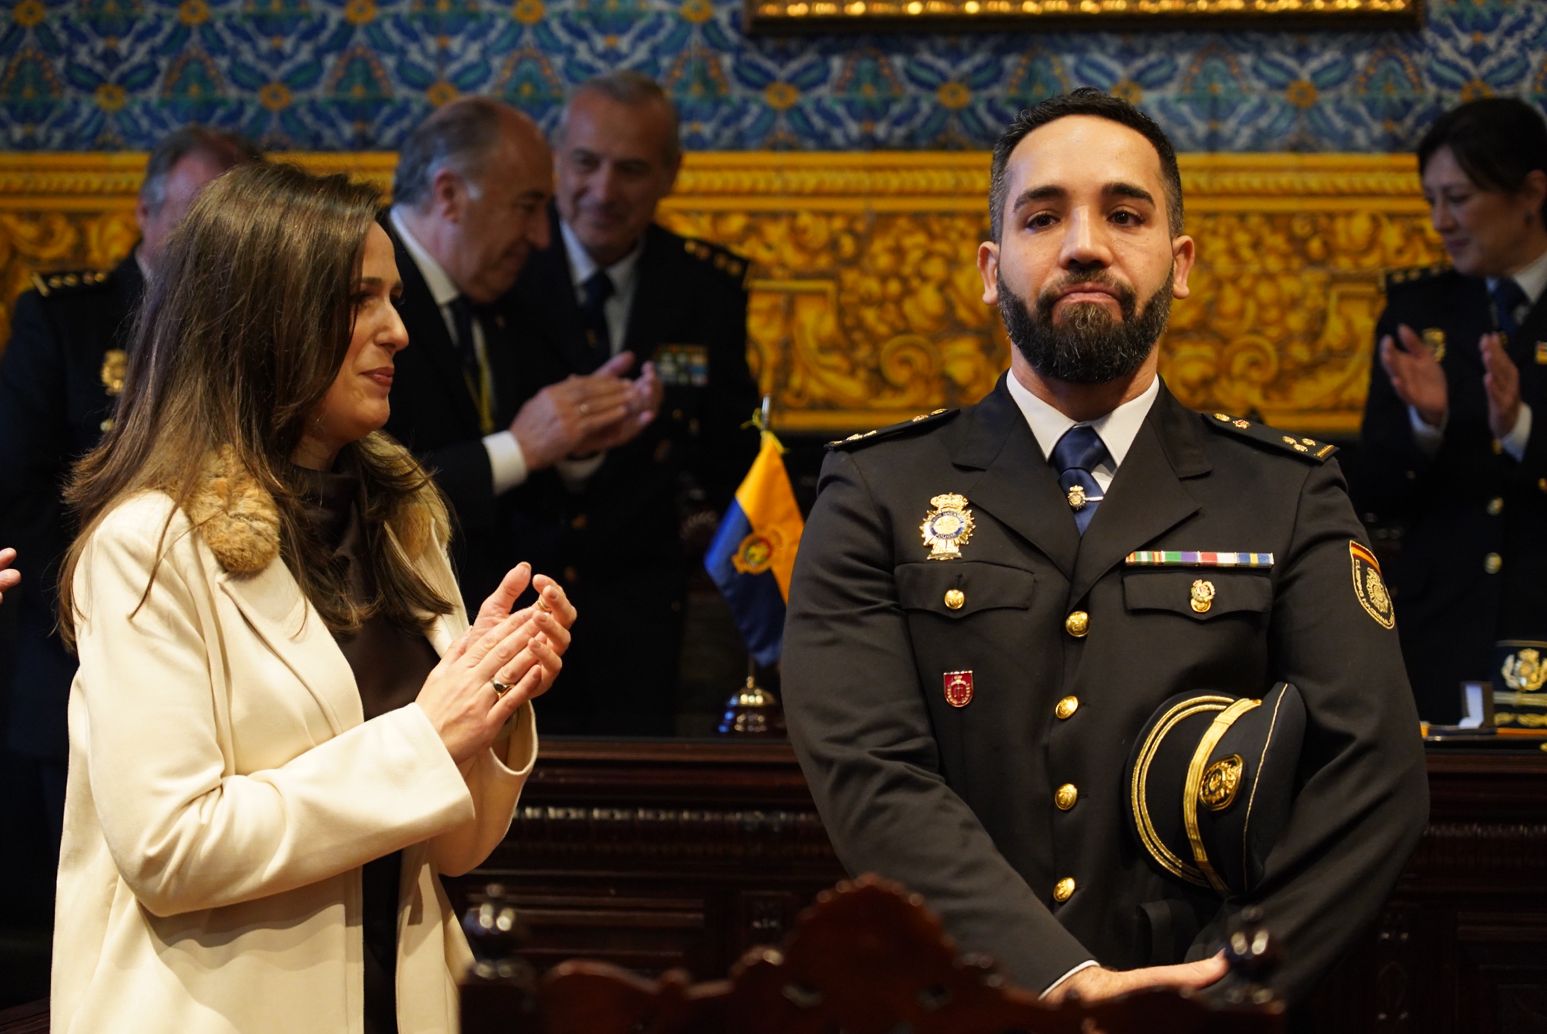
[[239, 520]]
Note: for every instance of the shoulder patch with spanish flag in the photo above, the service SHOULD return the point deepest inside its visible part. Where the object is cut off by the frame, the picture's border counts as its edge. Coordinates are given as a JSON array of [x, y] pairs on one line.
[[1369, 587]]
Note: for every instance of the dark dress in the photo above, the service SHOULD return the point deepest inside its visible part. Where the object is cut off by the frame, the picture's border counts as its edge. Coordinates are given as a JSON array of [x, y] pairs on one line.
[[390, 665]]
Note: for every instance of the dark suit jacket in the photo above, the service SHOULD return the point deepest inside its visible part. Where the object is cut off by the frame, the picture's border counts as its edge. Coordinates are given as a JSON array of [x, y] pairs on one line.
[[1466, 503], [434, 414], [53, 404], [616, 541], [957, 803]]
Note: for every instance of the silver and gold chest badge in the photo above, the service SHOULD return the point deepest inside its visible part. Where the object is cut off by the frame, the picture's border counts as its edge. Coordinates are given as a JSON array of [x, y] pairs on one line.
[[1369, 587], [947, 527]]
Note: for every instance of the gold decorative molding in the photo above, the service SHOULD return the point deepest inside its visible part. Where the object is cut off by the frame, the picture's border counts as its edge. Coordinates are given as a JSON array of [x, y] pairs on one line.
[[866, 306]]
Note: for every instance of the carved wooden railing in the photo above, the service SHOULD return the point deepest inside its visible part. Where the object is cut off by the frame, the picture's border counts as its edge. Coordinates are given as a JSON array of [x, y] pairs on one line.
[[866, 303]]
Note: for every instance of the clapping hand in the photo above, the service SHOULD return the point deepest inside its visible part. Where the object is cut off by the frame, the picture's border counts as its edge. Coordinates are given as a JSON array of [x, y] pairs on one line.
[[505, 659], [1416, 375], [8, 577]]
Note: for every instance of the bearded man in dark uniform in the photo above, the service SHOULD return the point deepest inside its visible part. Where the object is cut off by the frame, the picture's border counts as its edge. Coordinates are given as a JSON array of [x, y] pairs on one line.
[[989, 604]]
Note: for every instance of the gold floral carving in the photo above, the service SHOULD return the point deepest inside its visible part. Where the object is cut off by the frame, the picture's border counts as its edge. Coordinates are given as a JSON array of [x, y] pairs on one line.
[[866, 305]]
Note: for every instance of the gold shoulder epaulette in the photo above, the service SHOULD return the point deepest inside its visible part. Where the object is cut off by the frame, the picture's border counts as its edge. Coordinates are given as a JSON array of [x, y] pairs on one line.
[[66, 281], [721, 258], [862, 438], [1397, 277], [1305, 448]]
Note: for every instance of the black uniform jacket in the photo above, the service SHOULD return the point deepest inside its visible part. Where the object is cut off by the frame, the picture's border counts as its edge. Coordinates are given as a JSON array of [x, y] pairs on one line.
[[435, 416], [617, 539], [59, 382], [957, 802], [1472, 568]]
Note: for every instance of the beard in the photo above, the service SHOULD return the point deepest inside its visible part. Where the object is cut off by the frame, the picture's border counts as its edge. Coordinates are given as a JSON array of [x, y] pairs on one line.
[[1090, 346]]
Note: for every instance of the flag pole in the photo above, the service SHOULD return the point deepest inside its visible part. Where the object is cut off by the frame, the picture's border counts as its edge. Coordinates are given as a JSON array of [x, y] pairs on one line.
[[752, 710]]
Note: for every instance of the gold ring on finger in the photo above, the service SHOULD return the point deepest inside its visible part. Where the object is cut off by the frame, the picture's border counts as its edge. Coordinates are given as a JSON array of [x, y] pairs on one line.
[[501, 688]]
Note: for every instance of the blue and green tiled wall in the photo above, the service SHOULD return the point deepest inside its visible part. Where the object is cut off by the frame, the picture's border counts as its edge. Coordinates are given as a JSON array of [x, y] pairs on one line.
[[344, 75]]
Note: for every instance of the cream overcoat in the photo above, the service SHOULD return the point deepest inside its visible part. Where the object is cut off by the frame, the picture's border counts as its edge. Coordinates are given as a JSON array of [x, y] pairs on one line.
[[224, 789]]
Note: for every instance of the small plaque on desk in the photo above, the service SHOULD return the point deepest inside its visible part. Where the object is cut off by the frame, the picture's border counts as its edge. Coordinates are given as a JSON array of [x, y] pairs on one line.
[[1519, 673]]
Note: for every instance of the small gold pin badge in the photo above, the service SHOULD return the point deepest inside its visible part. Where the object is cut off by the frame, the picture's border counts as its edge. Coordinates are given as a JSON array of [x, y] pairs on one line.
[[1202, 593], [958, 688], [115, 364], [1076, 497], [1434, 340], [947, 527]]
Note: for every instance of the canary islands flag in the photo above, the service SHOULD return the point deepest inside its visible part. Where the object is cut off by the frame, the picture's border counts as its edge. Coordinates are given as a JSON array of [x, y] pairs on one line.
[[753, 552]]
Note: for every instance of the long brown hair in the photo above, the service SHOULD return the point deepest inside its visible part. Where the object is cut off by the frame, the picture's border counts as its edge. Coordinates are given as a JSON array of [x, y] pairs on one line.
[[244, 328]]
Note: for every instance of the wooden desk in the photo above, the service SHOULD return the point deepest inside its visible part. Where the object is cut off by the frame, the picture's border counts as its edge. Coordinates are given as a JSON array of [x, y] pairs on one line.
[[654, 855]]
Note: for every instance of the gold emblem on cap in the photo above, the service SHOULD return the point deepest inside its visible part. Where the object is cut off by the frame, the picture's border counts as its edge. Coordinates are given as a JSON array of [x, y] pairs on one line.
[[1076, 497], [947, 527], [115, 364], [1202, 593], [1524, 671], [1434, 340], [955, 599], [1220, 782]]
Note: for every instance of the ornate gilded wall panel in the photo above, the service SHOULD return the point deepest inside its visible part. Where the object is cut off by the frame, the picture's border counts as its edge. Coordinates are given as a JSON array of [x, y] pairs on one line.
[[866, 303]]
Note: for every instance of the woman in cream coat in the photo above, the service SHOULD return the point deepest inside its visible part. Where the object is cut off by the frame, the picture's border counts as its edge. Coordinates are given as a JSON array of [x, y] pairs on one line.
[[226, 786]]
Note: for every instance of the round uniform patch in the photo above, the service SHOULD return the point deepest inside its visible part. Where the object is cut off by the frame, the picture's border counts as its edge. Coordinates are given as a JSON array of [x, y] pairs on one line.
[[1369, 587]]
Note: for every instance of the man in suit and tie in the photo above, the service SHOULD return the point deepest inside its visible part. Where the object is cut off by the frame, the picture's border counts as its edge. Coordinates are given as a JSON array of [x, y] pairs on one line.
[[989, 605], [626, 523], [469, 206]]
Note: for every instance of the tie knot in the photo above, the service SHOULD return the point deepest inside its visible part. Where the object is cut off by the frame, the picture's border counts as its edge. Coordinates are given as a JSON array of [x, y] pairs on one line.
[[1080, 448], [598, 288], [1508, 297]]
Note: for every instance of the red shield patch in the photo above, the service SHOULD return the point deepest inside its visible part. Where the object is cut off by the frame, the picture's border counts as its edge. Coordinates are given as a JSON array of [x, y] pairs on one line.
[[958, 688]]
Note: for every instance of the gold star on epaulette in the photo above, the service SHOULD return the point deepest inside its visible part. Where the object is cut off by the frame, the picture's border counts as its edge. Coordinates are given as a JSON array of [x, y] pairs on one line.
[[1309, 448], [48, 283]]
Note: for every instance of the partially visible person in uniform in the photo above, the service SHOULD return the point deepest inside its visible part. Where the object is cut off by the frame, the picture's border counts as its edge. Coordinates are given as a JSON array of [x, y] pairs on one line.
[[9, 577], [283, 730], [627, 523], [60, 377], [470, 195], [989, 604], [1450, 448]]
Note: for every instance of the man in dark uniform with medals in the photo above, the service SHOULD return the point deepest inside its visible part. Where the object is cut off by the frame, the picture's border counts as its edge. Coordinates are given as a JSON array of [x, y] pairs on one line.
[[624, 524], [60, 376], [1451, 450], [989, 605]]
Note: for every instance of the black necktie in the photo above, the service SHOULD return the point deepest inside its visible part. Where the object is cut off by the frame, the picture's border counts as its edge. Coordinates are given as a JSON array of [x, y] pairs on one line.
[[474, 371], [598, 288], [1077, 453], [1508, 297]]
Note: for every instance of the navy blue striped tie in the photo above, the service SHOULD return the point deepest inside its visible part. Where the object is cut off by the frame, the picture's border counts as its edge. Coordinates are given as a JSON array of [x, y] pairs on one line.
[[1079, 452]]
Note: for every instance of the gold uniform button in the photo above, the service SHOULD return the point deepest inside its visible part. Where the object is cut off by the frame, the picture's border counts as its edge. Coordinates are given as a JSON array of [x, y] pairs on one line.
[[1065, 796], [1077, 624], [1495, 506], [1063, 890], [578, 522], [1492, 563], [1542, 484], [1066, 707], [955, 599]]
